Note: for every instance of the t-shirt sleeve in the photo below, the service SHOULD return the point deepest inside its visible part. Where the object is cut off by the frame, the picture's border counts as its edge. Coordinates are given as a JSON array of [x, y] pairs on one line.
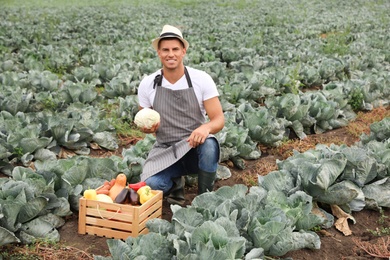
[[143, 95], [210, 89]]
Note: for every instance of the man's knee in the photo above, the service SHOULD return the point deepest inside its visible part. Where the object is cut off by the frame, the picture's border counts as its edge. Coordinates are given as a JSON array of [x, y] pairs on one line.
[[209, 155], [156, 183]]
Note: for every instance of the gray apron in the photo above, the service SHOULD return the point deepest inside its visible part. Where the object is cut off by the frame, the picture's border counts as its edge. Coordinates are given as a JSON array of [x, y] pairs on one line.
[[180, 115]]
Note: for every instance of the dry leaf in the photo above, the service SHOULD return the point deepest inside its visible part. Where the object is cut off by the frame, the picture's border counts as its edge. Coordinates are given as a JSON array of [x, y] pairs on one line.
[[342, 220]]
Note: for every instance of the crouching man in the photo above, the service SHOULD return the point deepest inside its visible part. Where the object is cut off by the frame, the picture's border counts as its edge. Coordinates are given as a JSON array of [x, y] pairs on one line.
[[185, 143]]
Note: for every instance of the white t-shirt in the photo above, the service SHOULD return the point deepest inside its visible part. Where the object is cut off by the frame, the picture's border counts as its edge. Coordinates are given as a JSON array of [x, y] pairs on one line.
[[204, 87]]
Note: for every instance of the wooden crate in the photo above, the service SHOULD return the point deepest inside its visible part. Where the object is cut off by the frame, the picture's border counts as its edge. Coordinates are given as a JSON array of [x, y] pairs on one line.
[[119, 221]]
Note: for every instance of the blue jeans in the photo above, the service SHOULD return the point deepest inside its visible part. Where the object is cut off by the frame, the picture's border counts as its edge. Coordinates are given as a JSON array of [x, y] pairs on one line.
[[204, 157]]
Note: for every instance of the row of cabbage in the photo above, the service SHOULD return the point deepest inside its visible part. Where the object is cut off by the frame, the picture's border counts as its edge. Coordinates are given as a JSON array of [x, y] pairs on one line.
[[238, 222], [59, 68]]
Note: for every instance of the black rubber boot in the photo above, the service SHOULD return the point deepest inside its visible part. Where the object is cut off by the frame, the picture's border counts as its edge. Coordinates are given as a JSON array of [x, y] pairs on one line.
[[176, 193], [206, 181]]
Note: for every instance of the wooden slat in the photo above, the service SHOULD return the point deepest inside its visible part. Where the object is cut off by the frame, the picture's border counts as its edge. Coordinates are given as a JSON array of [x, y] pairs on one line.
[[149, 211], [103, 232], [82, 213], [156, 214], [128, 209], [104, 214], [144, 231], [109, 224], [136, 221]]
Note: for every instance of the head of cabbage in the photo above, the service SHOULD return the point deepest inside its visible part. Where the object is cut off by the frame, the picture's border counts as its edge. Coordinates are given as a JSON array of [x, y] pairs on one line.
[[146, 118]]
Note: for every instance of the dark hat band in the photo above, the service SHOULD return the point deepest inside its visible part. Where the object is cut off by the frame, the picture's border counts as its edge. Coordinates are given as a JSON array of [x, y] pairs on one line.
[[169, 34]]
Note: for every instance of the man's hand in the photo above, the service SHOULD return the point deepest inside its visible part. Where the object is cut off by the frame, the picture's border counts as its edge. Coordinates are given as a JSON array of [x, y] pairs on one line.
[[198, 136], [151, 130]]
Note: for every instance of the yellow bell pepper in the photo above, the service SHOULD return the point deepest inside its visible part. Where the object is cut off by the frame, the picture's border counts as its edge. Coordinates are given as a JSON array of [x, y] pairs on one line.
[[90, 194], [145, 193]]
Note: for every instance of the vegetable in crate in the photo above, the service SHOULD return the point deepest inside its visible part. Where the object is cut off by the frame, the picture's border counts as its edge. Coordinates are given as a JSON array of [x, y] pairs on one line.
[[123, 196], [106, 187], [136, 186], [104, 198], [133, 197], [120, 184], [90, 194], [145, 193]]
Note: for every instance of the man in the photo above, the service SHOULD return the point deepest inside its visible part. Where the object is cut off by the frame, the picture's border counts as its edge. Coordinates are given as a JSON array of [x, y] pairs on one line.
[[185, 144]]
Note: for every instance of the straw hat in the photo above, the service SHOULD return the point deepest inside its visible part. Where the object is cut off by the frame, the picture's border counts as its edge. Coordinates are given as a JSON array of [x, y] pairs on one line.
[[170, 31]]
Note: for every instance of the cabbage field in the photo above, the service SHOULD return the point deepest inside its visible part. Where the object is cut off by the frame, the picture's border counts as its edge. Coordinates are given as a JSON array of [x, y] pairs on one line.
[[69, 73]]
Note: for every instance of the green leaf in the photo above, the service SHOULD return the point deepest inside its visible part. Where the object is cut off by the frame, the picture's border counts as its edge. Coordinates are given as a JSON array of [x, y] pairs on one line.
[[31, 209], [38, 229], [7, 237]]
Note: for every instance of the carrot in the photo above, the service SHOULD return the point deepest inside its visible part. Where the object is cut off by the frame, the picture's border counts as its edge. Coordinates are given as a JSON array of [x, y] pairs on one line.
[[102, 191], [106, 187]]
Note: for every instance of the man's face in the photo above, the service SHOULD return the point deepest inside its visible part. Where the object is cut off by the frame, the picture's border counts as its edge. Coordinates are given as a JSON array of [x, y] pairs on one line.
[[171, 53]]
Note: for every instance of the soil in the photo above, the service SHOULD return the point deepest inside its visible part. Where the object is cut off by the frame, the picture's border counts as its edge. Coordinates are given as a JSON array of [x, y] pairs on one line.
[[361, 244]]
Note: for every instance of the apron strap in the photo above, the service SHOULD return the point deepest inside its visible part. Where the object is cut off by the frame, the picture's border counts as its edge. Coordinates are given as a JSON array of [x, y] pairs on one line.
[[187, 77], [158, 80]]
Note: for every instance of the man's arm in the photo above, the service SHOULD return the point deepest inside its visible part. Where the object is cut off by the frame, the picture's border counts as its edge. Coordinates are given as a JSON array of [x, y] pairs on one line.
[[214, 111]]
